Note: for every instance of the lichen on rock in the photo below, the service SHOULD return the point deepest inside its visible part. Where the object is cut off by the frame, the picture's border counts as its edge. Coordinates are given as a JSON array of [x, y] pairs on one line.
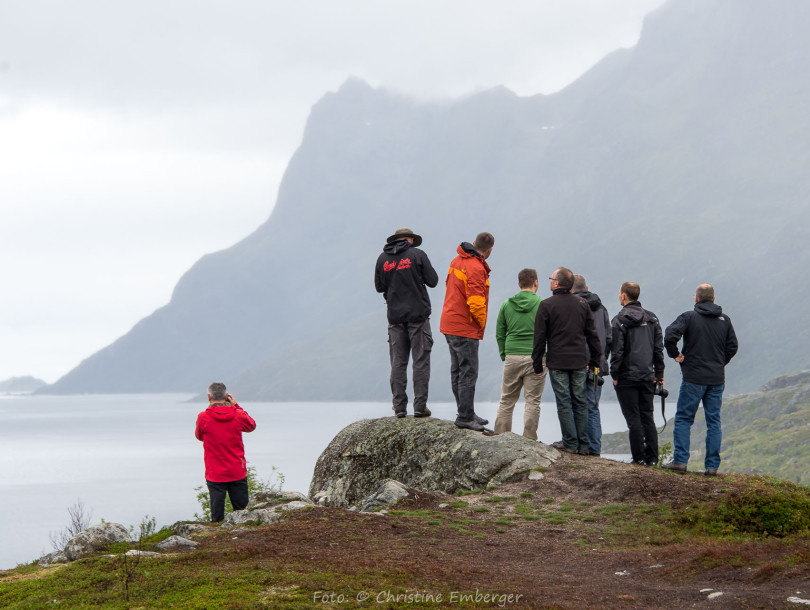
[[427, 454]]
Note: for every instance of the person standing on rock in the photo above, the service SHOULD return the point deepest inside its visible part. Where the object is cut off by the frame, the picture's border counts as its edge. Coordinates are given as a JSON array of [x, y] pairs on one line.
[[464, 318], [637, 364], [401, 274], [594, 380], [514, 332], [565, 334], [220, 429], [709, 344]]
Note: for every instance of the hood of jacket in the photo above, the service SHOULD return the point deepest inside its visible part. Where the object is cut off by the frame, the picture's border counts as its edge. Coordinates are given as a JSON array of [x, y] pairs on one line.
[[524, 301], [395, 247], [707, 308], [632, 314], [593, 300], [221, 412], [466, 250]]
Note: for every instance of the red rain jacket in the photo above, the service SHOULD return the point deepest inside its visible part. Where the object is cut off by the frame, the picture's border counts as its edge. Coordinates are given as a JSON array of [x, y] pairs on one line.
[[220, 430]]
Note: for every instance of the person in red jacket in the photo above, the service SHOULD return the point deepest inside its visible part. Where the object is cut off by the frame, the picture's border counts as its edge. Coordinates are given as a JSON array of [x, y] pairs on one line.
[[220, 429], [464, 317]]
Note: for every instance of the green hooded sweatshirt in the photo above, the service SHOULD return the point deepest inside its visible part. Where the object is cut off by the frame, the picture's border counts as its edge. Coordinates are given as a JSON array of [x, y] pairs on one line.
[[515, 327]]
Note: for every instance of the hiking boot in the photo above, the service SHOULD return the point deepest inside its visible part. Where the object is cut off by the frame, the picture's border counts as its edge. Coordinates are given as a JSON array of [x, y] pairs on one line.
[[469, 425], [399, 414], [710, 473], [675, 467], [425, 413], [560, 446], [481, 420], [583, 452]]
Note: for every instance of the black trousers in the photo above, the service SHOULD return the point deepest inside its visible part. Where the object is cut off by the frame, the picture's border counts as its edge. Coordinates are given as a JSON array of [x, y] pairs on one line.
[[238, 492], [636, 401]]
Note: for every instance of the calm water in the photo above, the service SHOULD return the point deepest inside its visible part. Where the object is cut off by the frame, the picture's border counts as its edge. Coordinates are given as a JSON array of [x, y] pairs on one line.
[[128, 456]]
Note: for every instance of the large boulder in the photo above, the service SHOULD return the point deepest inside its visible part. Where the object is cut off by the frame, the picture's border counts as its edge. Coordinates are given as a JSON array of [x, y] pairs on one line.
[[95, 538], [426, 454]]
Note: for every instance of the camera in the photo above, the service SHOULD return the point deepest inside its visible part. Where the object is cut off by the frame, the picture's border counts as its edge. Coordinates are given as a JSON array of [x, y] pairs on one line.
[[660, 390], [599, 379]]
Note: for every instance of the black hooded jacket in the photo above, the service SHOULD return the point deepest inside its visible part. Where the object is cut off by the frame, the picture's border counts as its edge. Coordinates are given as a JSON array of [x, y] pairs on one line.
[[638, 345], [401, 274], [601, 321], [709, 343]]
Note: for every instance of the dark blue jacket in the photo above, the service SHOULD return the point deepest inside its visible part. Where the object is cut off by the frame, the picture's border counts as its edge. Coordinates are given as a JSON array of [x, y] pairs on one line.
[[709, 343]]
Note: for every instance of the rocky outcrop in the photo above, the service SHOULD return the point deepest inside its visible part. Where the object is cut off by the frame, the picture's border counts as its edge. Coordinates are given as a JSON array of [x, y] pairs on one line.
[[425, 454], [267, 507], [95, 538], [388, 493]]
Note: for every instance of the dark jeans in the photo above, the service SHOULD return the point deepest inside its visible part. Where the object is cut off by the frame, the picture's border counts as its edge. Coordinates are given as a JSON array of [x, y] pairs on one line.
[[572, 406], [594, 417], [463, 374], [636, 401], [411, 338], [689, 398], [238, 492]]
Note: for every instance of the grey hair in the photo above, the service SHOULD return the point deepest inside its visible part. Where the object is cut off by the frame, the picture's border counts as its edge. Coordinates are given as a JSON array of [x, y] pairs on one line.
[[217, 391]]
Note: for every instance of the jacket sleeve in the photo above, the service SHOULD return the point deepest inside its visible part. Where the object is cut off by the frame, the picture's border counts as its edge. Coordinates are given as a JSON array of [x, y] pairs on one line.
[[731, 342], [539, 339], [592, 337], [674, 332], [500, 332], [618, 333], [608, 339], [198, 432], [379, 284], [429, 275], [658, 351], [477, 295], [246, 423]]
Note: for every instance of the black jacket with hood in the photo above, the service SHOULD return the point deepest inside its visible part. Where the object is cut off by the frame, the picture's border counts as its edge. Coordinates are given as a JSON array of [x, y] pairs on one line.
[[709, 343], [638, 345], [401, 274], [601, 320]]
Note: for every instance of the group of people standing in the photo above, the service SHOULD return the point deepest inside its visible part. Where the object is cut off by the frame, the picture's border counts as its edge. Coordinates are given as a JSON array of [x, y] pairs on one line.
[[568, 336]]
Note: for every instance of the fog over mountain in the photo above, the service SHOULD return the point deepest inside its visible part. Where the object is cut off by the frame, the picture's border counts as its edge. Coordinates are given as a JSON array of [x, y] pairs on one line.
[[680, 161]]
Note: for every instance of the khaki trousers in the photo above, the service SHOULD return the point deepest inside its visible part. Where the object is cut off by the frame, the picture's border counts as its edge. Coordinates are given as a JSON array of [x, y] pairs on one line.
[[518, 373]]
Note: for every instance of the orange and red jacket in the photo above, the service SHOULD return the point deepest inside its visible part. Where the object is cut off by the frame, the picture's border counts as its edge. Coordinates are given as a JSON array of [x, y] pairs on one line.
[[466, 297]]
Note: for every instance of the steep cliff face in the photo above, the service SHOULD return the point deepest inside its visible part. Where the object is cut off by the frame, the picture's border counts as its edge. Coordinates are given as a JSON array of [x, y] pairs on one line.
[[677, 162]]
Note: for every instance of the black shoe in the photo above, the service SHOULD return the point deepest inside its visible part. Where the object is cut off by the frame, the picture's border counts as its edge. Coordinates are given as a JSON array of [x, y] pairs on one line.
[[675, 467], [425, 413], [481, 420], [559, 445], [710, 473], [399, 414], [470, 425], [583, 452], [651, 464]]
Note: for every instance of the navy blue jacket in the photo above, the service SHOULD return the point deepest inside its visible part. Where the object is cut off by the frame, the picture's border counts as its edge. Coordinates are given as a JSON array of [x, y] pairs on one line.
[[709, 343]]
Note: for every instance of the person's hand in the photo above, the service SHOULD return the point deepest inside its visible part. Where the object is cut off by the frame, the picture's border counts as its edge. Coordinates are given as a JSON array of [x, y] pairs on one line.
[[679, 358], [230, 399], [615, 382], [659, 380]]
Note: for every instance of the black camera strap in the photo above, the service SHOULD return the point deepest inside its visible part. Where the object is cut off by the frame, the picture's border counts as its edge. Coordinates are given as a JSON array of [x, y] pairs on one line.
[[663, 414]]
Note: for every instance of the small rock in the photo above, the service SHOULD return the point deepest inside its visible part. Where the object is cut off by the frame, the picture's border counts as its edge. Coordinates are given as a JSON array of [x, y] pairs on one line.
[[387, 493], [136, 553], [296, 505], [536, 476], [706, 590], [715, 595], [798, 600], [187, 529], [624, 573], [656, 566], [95, 538], [176, 542], [443, 505], [256, 517]]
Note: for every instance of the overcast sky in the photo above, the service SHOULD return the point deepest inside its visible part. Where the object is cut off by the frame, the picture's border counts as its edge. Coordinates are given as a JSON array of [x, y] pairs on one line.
[[138, 135]]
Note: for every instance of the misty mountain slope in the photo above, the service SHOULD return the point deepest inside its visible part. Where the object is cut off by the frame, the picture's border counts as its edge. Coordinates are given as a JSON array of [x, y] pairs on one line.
[[677, 162]]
